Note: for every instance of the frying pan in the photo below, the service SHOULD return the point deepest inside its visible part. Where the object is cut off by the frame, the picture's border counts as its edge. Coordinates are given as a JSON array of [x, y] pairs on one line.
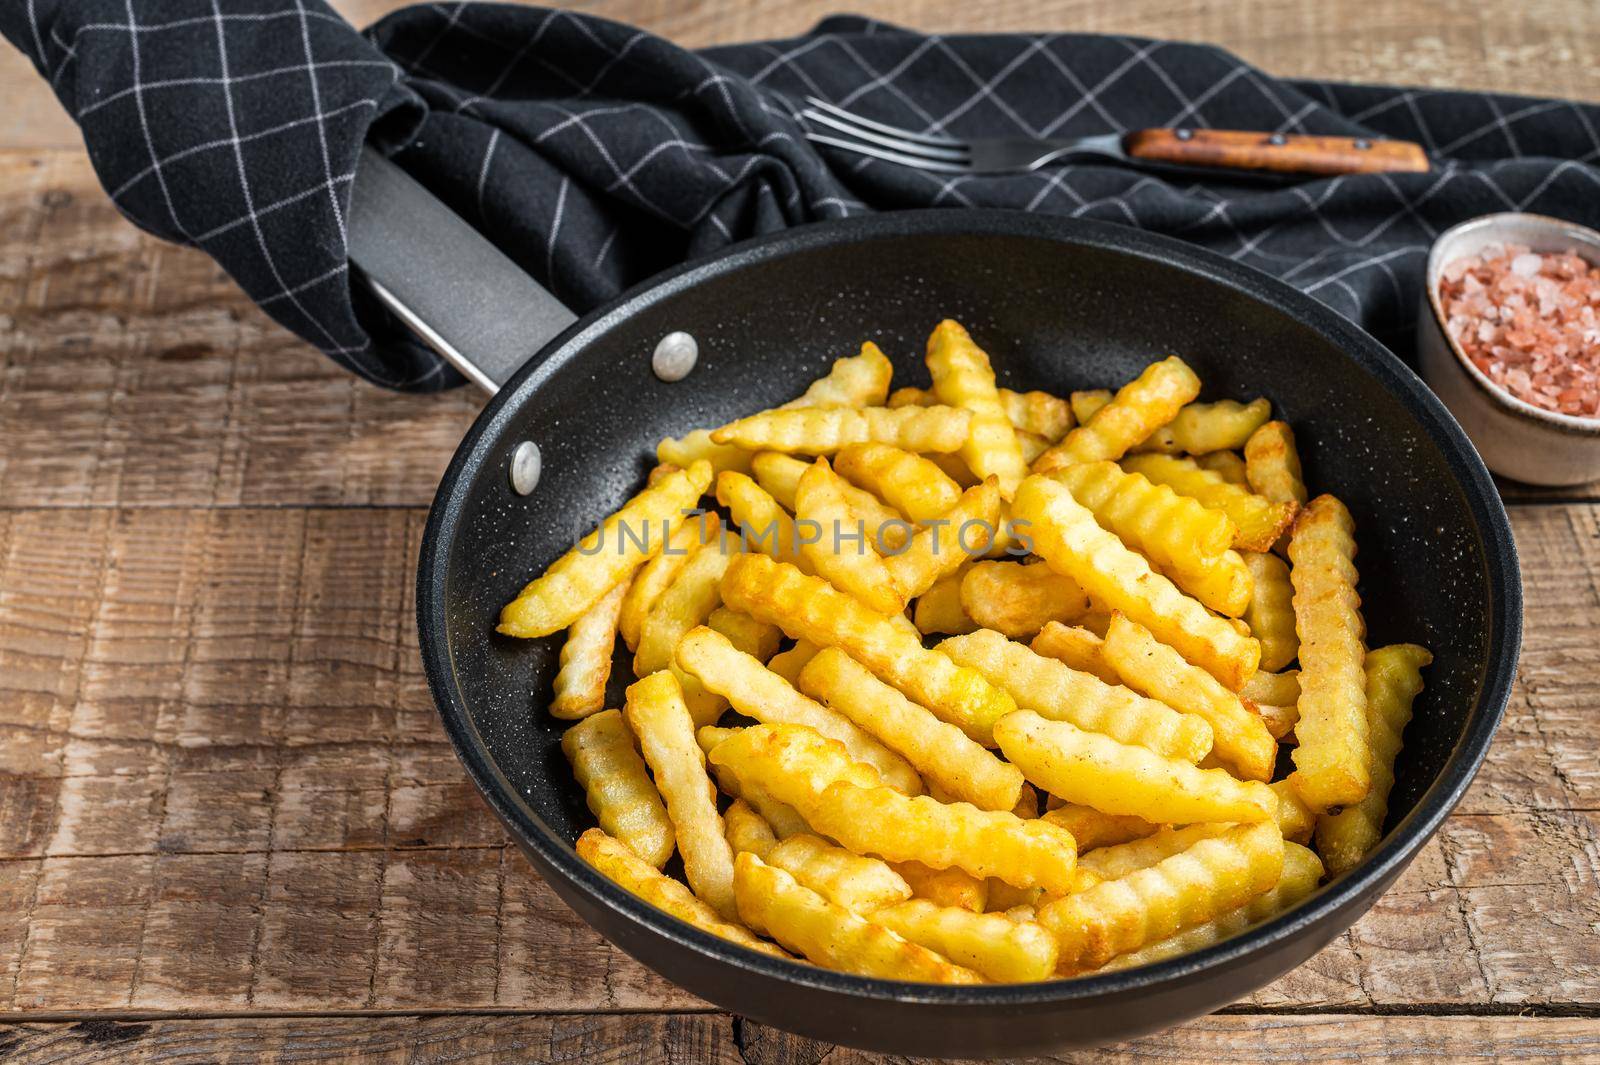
[[1060, 305]]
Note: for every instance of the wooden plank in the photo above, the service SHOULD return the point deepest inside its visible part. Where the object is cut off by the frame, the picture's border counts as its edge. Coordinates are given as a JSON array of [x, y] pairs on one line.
[[712, 1038], [1544, 47], [216, 732]]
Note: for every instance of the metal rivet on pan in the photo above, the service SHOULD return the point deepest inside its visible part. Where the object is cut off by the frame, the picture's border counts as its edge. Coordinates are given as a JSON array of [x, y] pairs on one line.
[[526, 465], [675, 356]]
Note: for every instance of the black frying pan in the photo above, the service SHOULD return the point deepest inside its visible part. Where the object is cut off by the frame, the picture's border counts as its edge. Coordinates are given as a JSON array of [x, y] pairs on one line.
[[1060, 305]]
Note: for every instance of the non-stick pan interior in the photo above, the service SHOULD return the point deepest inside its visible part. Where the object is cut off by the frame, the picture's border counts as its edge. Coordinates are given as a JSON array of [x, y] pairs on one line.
[[1058, 307]]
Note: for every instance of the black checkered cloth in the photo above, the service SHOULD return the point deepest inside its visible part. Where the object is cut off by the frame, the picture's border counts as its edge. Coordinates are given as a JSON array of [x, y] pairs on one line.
[[596, 154]]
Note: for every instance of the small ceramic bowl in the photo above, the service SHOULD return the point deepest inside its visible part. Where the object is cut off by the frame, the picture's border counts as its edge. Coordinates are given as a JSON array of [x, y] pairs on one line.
[[1515, 438]]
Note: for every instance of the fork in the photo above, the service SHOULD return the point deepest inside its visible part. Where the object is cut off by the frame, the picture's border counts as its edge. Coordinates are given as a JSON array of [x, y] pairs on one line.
[[1185, 148]]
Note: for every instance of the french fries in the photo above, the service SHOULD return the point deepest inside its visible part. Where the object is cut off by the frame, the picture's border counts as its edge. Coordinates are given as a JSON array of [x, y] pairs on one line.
[[963, 378], [617, 863], [860, 885], [1091, 769], [1211, 878], [949, 541], [1078, 648], [1065, 534], [824, 430], [828, 934], [1093, 829], [757, 692], [617, 787], [658, 718], [1272, 464], [990, 944], [1270, 614], [835, 542], [939, 751], [657, 575], [793, 763], [1301, 872], [1394, 679], [1259, 520], [911, 484], [603, 559], [580, 684], [1152, 668], [1019, 600], [1332, 761], [808, 608], [1162, 557], [1151, 400], [1060, 693]]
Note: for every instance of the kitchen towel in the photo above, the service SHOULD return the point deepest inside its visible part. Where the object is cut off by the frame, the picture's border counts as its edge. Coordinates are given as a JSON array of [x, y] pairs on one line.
[[595, 154]]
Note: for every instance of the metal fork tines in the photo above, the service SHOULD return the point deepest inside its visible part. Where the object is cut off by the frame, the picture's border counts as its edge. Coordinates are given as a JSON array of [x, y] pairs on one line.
[[926, 151]]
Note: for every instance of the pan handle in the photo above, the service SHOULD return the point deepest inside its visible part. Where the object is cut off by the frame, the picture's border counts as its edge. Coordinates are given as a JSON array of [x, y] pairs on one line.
[[459, 293]]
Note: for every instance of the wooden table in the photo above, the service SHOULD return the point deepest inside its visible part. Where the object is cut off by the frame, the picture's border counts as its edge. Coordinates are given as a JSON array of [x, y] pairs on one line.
[[229, 823]]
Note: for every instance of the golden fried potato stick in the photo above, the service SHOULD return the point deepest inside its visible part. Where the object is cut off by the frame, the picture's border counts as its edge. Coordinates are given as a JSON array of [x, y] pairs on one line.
[[657, 575], [600, 561], [658, 718], [780, 475], [617, 863], [1140, 407], [1225, 464], [788, 664], [1086, 403], [1279, 689], [963, 378], [1032, 446], [1394, 680], [828, 934], [809, 608], [912, 485], [1004, 898], [1058, 692], [580, 684], [1091, 769], [696, 446], [1270, 614], [748, 830], [797, 764], [688, 601], [1223, 583], [1239, 738], [940, 751], [854, 381], [1280, 720], [945, 887], [1078, 648], [990, 944], [617, 787], [757, 692], [1065, 534], [1036, 413], [1019, 600], [939, 608], [763, 525], [838, 544], [861, 885], [1295, 819], [948, 542], [1203, 428], [758, 639], [780, 818], [1332, 762], [1259, 520], [1272, 464], [1093, 829], [1209, 879], [824, 430], [1120, 859], [1302, 871]]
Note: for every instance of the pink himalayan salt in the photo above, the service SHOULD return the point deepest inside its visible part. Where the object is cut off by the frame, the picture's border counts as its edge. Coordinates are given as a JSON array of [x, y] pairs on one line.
[[1530, 322]]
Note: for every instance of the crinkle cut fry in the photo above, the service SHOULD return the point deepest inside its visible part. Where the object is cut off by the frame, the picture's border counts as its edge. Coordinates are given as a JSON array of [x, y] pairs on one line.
[[963, 378], [824, 430], [579, 688], [617, 785], [1138, 409]]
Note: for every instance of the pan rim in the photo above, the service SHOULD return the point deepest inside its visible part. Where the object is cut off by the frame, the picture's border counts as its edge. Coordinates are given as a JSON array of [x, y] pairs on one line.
[[1342, 895]]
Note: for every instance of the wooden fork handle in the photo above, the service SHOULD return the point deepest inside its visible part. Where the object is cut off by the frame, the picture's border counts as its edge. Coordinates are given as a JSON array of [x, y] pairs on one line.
[[1282, 152]]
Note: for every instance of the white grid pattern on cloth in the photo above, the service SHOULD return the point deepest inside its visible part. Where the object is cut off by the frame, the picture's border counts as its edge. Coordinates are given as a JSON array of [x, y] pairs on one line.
[[597, 153]]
